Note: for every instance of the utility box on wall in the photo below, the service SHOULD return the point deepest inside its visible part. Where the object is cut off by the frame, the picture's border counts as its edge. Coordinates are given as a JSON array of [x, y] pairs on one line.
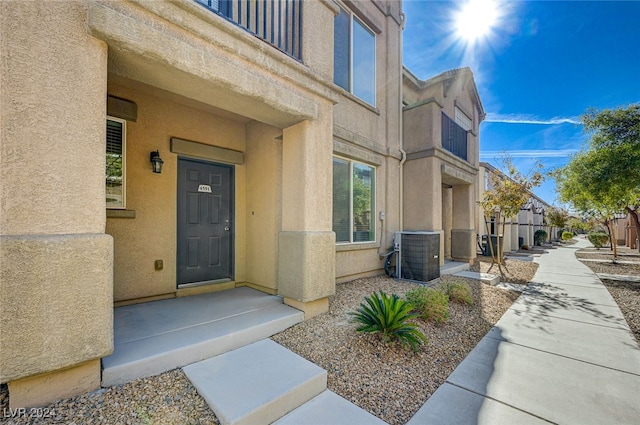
[[417, 255]]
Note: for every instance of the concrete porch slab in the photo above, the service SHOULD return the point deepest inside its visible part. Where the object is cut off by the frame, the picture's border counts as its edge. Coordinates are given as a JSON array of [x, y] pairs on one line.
[[329, 408], [453, 267], [256, 384], [489, 279], [154, 337]]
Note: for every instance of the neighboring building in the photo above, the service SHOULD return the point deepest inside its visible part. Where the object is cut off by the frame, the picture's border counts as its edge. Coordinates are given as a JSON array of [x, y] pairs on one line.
[[518, 230], [626, 232], [281, 145], [441, 122]]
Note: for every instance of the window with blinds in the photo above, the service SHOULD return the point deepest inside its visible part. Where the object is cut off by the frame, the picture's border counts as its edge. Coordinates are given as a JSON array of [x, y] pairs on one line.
[[353, 201], [463, 120], [115, 163]]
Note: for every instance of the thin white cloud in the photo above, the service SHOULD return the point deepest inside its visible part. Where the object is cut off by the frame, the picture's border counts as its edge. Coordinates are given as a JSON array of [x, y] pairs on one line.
[[540, 153], [529, 119]]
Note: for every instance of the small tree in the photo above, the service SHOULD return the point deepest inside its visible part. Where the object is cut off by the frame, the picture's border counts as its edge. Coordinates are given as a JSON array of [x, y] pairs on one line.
[[577, 225], [506, 194], [557, 217], [615, 142]]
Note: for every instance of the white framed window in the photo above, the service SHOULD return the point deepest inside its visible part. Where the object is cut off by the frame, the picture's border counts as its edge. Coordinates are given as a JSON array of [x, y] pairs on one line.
[[463, 120], [354, 187], [354, 56], [115, 176]]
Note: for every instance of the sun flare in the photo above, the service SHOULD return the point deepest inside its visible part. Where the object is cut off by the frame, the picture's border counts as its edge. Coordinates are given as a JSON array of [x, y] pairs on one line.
[[476, 19]]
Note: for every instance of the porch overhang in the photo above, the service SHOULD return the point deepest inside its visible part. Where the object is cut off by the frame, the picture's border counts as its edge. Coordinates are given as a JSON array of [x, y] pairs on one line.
[[184, 57]]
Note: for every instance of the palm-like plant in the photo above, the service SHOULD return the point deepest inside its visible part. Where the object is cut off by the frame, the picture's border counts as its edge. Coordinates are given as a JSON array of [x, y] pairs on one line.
[[389, 316]]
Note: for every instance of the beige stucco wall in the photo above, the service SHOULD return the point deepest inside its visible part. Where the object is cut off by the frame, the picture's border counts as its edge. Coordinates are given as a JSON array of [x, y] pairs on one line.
[[56, 302], [264, 203], [306, 257], [52, 108], [151, 235], [38, 390], [182, 49], [371, 134], [55, 260], [448, 193]]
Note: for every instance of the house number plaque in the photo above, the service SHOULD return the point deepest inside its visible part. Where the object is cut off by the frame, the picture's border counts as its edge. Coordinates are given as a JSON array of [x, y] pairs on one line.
[[204, 188]]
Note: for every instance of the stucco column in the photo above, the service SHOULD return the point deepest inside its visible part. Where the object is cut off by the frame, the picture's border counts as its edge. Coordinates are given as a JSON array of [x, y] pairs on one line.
[[56, 283], [422, 194], [306, 257], [423, 197], [462, 236], [514, 234], [447, 218]]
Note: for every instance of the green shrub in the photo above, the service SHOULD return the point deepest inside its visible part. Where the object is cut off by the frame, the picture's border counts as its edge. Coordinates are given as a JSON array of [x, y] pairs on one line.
[[458, 292], [539, 237], [390, 317], [560, 232], [598, 239], [431, 304], [567, 236]]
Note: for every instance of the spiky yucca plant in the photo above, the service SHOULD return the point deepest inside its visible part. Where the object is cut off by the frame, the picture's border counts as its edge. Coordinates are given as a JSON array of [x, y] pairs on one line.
[[389, 316]]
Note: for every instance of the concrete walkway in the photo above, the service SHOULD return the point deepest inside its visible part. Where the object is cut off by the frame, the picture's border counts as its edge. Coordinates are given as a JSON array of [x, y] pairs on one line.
[[563, 353]]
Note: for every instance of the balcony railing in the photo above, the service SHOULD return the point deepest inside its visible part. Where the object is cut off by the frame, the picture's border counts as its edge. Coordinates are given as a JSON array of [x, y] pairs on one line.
[[278, 22], [454, 137]]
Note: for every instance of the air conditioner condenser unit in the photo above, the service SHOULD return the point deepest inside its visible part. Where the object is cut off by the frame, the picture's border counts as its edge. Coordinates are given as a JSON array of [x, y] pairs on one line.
[[417, 255]]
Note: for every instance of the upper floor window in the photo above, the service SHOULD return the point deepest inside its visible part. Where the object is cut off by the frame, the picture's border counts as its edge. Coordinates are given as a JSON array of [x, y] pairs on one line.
[[115, 162], [354, 56], [353, 201], [463, 120]]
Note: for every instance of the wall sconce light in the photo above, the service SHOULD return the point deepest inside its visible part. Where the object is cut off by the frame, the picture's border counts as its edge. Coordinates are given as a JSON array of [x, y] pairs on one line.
[[156, 162]]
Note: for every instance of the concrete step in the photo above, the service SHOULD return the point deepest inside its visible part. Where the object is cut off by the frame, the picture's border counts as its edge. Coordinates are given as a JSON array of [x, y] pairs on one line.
[[256, 384], [329, 408], [165, 348], [489, 279], [453, 267]]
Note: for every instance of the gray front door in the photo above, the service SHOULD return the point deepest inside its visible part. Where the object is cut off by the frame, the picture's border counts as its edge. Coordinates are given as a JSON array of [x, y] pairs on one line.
[[205, 225]]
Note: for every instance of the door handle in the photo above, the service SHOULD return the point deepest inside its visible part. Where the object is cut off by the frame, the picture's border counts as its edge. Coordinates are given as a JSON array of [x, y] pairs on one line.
[[226, 228]]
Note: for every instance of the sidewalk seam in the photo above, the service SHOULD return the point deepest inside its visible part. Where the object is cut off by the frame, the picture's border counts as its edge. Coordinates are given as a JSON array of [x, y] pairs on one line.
[[586, 323], [561, 355], [499, 401]]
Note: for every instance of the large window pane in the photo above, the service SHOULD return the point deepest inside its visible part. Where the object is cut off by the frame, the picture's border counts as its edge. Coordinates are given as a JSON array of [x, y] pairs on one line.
[[364, 57], [353, 201], [341, 199], [354, 57], [341, 49], [363, 190]]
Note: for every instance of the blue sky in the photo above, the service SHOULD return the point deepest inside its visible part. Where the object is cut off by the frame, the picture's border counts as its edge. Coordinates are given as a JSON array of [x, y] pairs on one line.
[[538, 68]]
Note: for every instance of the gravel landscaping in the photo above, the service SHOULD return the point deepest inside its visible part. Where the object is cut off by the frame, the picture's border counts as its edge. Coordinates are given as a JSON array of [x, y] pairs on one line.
[[388, 381], [166, 399], [512, 271]]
